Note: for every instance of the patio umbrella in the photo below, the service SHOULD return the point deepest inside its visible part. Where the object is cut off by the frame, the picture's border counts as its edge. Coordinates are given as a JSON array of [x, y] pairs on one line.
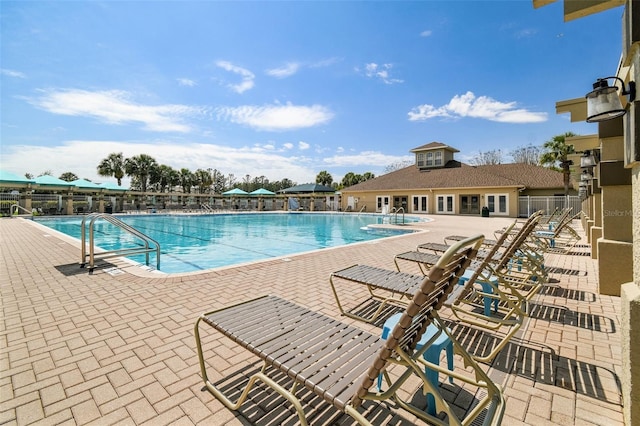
[[235, 191], [112, 186], [85, 184], [7, 177], [262, 191], [46, 180]]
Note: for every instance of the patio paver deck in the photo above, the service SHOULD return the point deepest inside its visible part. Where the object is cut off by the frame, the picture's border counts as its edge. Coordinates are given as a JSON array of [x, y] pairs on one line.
[[118, 348]]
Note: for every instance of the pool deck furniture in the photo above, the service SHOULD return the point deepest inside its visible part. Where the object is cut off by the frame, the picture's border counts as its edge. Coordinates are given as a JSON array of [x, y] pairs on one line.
[[341, 363], [116, 346], [431, 355], [491, 281]]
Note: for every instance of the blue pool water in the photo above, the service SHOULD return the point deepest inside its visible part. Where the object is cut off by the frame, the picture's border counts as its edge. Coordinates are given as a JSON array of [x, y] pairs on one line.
[[198, 242]]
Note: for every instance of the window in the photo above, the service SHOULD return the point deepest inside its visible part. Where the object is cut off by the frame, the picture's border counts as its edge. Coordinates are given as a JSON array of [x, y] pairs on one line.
[[445, 204], [438, 158], [497, 203], [420, 159], [429, 159], [420, 203]]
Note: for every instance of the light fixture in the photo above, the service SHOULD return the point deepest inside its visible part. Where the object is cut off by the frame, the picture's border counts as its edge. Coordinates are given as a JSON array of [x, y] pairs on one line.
[[588, 159], [585, 176], [582, 184], [603, 103]]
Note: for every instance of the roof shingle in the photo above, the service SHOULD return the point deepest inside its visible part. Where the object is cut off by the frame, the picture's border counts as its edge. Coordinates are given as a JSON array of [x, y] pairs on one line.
[[500, 175]]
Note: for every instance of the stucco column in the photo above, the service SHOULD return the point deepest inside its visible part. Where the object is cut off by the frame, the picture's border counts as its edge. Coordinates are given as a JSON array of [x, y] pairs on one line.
[[615, 248], [260, 204], [312, 204], [630, 320], [25, 199], [100, 203], [67, 203], [630, 292]]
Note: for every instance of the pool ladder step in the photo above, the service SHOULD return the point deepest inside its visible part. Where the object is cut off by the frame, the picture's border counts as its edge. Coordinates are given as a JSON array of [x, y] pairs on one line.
[[149, 244]]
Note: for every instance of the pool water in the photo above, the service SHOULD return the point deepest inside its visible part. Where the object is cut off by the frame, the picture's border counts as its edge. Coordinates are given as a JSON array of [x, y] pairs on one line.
[[199, 242]]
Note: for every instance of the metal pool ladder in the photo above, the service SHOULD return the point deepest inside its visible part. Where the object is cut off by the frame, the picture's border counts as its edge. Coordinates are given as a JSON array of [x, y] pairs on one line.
[[92, 218]]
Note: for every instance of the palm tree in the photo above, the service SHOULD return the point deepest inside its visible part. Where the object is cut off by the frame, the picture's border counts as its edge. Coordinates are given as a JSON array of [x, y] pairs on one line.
[[556, 152], [140, 167], [68, 177], [324, 178], [186, 180], [113, 165], [203, 179], [367, 176]]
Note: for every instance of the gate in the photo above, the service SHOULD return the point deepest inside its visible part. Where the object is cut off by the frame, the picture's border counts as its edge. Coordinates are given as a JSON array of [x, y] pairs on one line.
[[529, 204]]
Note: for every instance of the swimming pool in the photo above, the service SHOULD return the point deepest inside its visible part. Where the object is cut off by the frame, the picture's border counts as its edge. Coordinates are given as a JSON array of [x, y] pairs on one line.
[[199, 242]]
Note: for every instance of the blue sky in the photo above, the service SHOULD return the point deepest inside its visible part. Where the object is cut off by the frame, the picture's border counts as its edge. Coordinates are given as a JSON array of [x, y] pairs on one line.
[[286, 89]]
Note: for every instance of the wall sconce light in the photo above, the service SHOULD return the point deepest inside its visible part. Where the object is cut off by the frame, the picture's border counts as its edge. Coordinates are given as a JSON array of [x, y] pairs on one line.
[[585, 176], [603, 103], [588, 159]]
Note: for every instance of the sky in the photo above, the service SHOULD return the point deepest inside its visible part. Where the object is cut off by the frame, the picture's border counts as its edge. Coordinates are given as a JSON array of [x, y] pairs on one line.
[[286, 89]]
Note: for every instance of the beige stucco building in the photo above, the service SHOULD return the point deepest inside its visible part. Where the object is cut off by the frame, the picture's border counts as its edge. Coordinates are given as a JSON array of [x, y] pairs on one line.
[[438, 184], [611, 200]]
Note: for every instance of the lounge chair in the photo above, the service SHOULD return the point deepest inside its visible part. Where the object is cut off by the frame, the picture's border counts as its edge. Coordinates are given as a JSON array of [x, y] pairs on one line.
[[506, 280], [341, 363]]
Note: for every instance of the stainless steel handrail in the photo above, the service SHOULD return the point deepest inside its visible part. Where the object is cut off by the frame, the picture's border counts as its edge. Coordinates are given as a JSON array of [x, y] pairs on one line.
[[19, 207], [395, 216], [93, 217]]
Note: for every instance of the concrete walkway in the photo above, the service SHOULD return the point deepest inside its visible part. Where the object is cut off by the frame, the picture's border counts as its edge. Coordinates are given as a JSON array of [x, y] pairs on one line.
[[117, 346]]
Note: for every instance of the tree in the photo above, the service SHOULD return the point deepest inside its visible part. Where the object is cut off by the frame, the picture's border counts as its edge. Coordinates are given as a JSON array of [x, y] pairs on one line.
[[68, 177], [186, 180], [529, 154], [46, 173], [203, 179], [487, 158], [113, 165], [29, 175], [218, 181], [397, 166], [140, 167], [555, 154], [163, 177], [367, 176], [324, 178]]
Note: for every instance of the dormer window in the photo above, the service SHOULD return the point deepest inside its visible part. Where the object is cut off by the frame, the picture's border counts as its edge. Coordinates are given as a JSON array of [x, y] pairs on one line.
[[438, 158], [420, 159], [429, 159]]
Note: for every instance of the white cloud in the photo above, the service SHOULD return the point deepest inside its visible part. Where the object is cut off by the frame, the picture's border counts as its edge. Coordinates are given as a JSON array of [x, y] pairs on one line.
[[365, 159], [339, 149], [484, 107], [186, 82], [276, 117], [373, 70], [287, 145], [426, 33], [116, 107], [12, 73], [247, 76], [324, 63], [287, 70], [303, 145]]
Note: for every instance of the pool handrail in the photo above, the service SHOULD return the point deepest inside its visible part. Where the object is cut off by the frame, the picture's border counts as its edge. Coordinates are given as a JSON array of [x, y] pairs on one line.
[[113, 253]]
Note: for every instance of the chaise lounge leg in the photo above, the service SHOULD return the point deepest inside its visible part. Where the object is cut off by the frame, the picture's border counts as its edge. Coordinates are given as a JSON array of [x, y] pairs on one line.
[[252, 380]]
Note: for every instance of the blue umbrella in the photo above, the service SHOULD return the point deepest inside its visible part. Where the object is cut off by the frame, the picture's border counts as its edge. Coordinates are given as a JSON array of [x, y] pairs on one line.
[[235, 191], [262, 191]]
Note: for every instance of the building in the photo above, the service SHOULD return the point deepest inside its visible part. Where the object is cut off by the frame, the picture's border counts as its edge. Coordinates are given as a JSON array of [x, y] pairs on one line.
[[438, 184], [611, 192]]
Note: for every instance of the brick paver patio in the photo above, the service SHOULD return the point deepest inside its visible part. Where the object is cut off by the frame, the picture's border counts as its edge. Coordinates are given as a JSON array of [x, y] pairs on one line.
[[118, 348]]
